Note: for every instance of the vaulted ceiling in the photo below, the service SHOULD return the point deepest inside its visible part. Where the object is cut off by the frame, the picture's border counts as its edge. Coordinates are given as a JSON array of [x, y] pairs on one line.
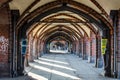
[[107, 5], [63, 22]]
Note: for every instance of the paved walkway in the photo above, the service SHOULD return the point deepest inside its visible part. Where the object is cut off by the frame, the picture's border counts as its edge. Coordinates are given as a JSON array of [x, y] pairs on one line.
[[62, 67]]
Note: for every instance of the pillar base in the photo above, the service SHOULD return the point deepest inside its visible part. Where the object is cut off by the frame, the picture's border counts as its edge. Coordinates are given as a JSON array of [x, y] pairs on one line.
[[80, 55], [108, 74], [91, 59], [99, 63], [20, 71], [40, 54], [118, 71], [85, 57]]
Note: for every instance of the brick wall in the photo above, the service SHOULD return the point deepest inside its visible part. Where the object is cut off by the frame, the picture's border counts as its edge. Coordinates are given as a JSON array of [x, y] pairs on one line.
[[4, 41], [118, 36]]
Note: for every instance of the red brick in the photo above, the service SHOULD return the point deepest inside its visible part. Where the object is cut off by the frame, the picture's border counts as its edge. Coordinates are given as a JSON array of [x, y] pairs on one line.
[[4, 32]]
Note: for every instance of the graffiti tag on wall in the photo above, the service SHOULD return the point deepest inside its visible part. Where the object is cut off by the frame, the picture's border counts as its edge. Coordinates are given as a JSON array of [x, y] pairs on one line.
[[3, 44]]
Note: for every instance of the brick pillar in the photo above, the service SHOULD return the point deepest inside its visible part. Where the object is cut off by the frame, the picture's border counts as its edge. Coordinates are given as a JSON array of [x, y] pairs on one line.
[[4, 41], [107, 55], [26, 63], [42, 48], [86, 47], [92, 54], [73, 48], [35, 48], [81, 48], [30, 44], [118, 45], [115, 16], [77, 47], [99, 59], [39, 48]]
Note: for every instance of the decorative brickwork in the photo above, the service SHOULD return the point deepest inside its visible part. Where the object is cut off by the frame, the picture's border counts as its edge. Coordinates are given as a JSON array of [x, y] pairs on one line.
[[4, 41]]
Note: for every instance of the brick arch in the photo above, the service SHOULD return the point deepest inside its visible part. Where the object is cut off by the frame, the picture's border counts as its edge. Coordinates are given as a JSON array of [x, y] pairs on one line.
[[64, 35], [57, 27], [78, 8], [64, 38], [57, 3], [75, 25]]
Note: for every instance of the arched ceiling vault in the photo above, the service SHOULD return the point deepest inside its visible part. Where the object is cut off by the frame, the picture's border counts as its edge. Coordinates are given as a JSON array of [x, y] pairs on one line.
[[77, 26], [86, 9], [58, 38], [59, 34], [73, 25], [30, 5], [60, 28], [57, 29], [53, 32]]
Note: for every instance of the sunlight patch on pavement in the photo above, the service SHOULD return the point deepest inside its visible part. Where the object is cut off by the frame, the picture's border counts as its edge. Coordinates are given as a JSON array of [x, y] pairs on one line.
[[36, 76], [59, 51], [50, 60], [54, 65], [55, 72]]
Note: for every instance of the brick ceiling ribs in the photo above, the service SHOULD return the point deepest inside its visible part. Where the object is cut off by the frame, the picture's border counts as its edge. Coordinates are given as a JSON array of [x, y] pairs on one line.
[[80, 23]]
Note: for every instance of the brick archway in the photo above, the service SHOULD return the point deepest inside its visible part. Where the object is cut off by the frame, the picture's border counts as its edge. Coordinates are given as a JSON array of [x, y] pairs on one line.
[[101, 22]]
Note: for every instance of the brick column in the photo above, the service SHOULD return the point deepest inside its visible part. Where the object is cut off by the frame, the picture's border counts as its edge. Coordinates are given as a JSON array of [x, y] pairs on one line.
[[81, 48], [77, 47], [26, 63], [41, 47], [35, 48], [99, 59], [92, 54], [115, 16], [73, 48], [30, 44], [4, 41], [86, 47], [118, 45]]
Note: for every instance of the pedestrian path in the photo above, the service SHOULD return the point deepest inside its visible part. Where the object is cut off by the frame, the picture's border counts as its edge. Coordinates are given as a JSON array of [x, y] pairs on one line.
[[62, 67]]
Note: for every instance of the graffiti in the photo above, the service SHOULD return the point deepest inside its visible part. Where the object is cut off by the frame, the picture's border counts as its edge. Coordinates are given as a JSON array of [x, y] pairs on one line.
[[3, 45]]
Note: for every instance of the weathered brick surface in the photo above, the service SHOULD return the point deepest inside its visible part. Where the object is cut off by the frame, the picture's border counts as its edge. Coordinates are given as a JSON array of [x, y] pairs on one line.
[[4, 42], [93, 42], [118, 37]]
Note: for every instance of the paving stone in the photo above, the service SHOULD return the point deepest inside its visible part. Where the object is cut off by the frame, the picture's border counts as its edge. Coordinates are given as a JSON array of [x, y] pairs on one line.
[[58, 67]]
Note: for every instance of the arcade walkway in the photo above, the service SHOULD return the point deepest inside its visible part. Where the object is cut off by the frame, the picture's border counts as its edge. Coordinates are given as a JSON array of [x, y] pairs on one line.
[[62, 67]]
